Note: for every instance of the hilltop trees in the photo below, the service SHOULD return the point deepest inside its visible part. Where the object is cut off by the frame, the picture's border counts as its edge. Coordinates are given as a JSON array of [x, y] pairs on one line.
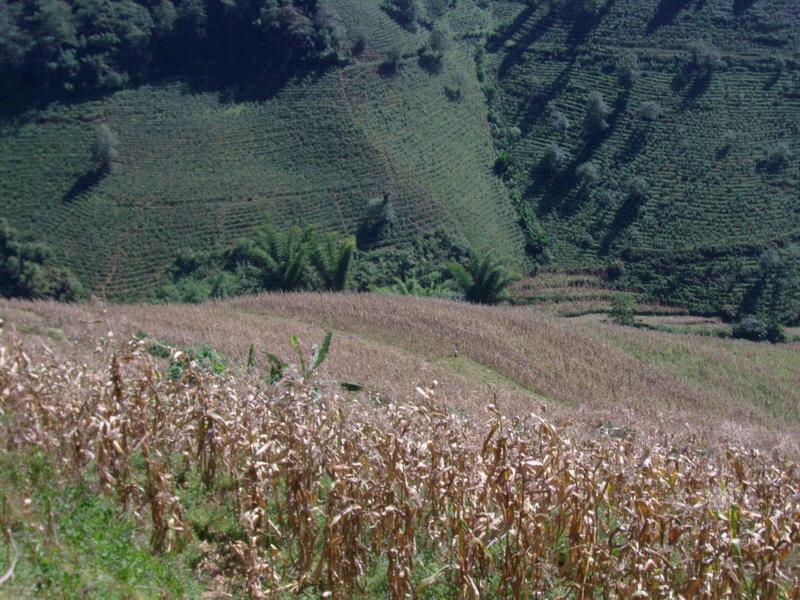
[[94, 45]]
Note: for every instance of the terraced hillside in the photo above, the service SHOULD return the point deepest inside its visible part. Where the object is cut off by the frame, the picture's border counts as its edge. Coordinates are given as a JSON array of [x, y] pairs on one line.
[[199, 168], [678, 184]]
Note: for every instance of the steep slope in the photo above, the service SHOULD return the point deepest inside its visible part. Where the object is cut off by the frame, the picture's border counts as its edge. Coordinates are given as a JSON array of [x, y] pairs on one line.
[[708, 206], [200, 167]]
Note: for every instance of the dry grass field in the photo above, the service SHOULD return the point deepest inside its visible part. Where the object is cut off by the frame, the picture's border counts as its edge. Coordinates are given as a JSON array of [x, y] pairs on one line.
[[554, 458], [582, 373]]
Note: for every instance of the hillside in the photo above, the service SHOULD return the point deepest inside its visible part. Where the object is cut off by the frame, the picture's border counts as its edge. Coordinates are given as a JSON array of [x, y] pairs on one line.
[[585, 374], [200, 167], [489, 452], [704, 207], [684, 182]]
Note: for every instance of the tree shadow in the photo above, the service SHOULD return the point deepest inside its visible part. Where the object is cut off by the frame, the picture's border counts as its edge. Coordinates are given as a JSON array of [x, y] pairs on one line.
[[253, 86], [739, 6], [583, 23], [626, 214], [691, 84], [496, 41], [83, 184], [533, 114], [665, 13], [637, 141], [515, 53]]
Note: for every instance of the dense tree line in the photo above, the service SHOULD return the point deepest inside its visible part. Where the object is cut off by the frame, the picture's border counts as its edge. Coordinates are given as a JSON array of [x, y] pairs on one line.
[[301, 259], [271, 259], [107, 44]]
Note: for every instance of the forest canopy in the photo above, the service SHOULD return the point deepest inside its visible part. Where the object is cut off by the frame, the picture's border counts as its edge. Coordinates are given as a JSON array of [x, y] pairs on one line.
[[90, 45]]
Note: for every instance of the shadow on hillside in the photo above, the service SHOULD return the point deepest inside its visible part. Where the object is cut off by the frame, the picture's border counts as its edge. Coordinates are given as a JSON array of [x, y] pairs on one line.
[[22, 102], [666, 12], [739, 6], [82, 185], [626, 214], [515, 53], [235, 87], [496, 41], [583, 24]]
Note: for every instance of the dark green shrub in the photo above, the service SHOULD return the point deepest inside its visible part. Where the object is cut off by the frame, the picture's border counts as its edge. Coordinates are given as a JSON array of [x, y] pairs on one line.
[[28, 270], [359, 45], [392, 60], [554, 159], [754, 329], [431, 55], [588, 174], [777, 158], [559, 122], [638, 189], [705, 58], [649, 110], [502, 166], [407, 12], [615, 270]]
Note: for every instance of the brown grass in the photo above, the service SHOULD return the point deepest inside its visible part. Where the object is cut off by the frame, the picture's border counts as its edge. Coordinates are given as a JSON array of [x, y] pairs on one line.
[[580, 374], [333, 495]]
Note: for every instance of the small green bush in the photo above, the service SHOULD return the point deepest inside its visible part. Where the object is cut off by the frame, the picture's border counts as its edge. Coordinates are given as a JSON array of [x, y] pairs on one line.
[[623, 309], [649, 110]]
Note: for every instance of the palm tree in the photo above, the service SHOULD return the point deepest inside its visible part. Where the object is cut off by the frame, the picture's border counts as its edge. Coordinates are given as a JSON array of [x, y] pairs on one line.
[[332, 258], [280, 256], [484, 281]]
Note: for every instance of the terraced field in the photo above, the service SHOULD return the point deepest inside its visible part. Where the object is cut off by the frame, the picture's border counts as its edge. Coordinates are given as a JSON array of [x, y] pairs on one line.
[[710, 211], [198, 168]]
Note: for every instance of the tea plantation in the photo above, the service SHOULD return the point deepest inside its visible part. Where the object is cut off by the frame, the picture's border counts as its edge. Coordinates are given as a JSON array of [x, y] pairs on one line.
[[660, 138], [197, 168], [678, 181]]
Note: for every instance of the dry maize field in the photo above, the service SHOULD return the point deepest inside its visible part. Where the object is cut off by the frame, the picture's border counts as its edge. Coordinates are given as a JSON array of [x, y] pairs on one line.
[[337, 495]]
